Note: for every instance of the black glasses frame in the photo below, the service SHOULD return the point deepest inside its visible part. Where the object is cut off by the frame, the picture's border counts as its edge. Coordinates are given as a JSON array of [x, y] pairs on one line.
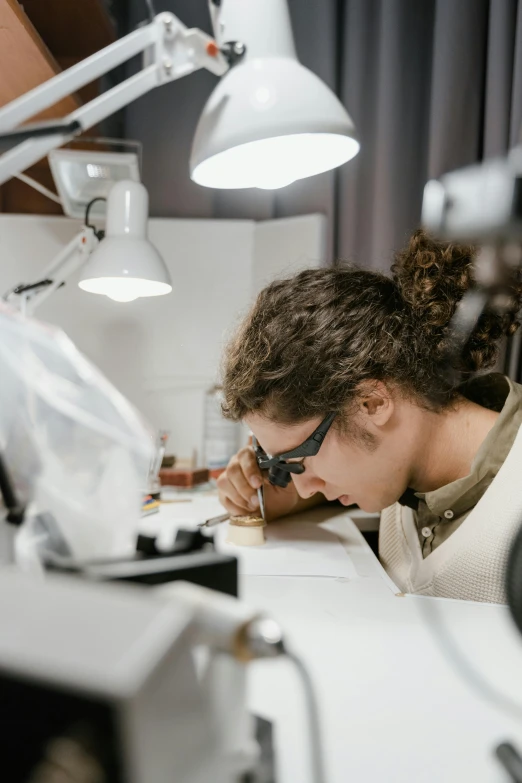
[[277, 465]]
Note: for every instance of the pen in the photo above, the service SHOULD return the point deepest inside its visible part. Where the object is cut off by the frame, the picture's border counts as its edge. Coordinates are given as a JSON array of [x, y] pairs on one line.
[[261, 498], [261, 490], [214, 520]]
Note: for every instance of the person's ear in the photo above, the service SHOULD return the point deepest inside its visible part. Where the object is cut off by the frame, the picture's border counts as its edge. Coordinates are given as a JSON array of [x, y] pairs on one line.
[[376, 403]]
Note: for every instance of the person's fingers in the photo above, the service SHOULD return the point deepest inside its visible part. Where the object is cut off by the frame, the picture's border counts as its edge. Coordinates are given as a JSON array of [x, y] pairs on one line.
[[236, 508], [233, 510], [247, 504], [227, 488], [239, 482], [247, 459]]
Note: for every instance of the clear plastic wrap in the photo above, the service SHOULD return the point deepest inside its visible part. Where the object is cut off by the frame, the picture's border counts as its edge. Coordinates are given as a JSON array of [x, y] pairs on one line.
[[77, 452]]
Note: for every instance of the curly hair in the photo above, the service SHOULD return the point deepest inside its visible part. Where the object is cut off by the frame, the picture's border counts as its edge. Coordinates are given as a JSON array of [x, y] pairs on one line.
[[311, 340]]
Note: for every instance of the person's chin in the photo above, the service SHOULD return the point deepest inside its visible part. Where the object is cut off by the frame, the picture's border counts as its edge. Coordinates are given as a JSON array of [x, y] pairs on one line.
[[370, 507]]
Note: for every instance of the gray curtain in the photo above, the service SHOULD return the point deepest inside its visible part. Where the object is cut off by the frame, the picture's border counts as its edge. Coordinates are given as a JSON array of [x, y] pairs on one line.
[[431, 85]]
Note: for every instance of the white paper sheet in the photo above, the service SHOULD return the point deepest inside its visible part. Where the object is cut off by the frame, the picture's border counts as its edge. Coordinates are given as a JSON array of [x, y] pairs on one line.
[[297, 546], [292, 548]]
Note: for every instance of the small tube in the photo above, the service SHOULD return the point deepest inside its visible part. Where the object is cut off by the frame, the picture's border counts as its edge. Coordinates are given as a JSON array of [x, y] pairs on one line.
[[226, 624]]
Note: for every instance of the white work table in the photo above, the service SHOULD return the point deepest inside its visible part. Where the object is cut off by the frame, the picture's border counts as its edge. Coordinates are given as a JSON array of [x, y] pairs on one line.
[[393, 707]]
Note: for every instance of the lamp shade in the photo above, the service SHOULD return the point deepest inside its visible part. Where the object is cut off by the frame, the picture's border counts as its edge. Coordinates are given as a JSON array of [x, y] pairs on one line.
[[125, 265], [270, 121]]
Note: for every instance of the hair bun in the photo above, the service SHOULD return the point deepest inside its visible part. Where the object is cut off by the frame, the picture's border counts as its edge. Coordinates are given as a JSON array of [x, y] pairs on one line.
[[432, 278]]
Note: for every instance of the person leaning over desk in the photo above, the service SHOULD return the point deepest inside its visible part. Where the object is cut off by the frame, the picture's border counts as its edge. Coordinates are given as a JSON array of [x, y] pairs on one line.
[[443, 464]]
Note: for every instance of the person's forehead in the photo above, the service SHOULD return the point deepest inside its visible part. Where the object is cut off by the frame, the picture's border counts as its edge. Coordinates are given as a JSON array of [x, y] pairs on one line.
[[276, 438]]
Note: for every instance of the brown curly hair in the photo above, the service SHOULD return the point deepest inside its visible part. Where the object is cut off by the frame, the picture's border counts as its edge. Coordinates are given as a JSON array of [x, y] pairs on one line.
[[312, 339]]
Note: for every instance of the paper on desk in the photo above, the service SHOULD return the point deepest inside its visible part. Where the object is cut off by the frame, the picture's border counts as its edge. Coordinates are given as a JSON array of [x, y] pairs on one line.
[[294, 547]]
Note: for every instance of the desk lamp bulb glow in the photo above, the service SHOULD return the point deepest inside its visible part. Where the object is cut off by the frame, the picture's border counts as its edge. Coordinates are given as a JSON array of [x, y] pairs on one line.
[[125, 265]]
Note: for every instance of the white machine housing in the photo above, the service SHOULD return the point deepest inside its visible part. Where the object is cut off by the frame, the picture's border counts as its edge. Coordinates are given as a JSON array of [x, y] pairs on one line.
[[75, 649]]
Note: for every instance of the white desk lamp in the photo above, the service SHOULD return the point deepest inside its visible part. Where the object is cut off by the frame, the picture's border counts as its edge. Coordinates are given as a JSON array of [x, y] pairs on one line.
[[125, 265], [269, 122], [122, 265]]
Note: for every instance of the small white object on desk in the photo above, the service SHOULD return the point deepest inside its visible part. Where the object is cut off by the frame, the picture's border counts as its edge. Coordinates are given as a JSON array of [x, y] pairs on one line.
[[246, 531]]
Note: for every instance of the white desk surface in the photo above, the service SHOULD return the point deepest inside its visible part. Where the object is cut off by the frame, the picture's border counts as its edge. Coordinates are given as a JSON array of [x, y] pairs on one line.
[[393, 707]]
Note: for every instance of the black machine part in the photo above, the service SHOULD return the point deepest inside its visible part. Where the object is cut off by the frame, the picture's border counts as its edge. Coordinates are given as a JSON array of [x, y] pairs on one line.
[[510, 759], [279, 469], [514, 580], [192, 558]]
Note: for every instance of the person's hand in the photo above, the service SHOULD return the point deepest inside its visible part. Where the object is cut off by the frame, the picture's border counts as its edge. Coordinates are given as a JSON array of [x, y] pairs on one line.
[[239, 483]]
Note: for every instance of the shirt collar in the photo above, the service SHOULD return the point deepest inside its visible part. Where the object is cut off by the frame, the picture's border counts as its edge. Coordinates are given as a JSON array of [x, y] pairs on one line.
[[496, 392], [409, 498]]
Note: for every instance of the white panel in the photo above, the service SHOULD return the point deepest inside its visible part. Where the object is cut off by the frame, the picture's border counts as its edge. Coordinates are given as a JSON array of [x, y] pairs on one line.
[[163, 353], [181, 335], [284, 247], [28, 243]]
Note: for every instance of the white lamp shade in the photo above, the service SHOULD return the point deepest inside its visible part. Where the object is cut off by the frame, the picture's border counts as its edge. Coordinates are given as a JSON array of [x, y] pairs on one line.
[[269, 122], [125, 269], [125, 265]]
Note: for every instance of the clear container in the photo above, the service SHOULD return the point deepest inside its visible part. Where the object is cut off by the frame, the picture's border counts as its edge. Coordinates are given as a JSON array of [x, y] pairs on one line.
[[221, 437], [76, 450]]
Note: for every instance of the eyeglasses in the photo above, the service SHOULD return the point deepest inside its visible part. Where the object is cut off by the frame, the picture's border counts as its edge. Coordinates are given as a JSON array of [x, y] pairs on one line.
[[279, 469]]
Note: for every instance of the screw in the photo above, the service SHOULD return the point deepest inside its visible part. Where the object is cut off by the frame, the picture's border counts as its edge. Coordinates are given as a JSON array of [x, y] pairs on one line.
[[167, 64], [239, 48]]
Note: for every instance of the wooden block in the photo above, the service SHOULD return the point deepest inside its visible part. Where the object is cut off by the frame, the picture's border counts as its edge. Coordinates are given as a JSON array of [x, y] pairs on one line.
[[25, 61], [72, 28], [177, 477]]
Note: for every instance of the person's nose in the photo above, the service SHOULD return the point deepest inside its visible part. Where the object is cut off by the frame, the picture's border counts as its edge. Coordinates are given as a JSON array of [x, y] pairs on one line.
[[307, 484]]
